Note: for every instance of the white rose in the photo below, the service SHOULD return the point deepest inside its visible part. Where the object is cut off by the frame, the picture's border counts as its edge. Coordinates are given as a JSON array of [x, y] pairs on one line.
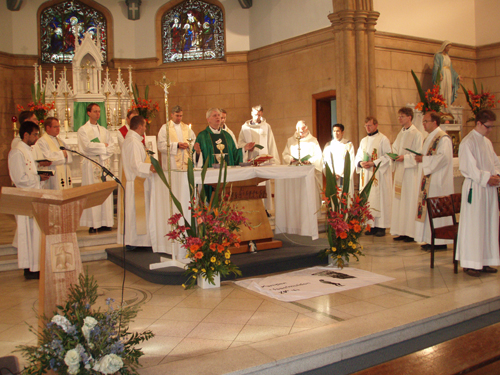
[[62, 322], [72, 360], [109, 364], [88, 325]]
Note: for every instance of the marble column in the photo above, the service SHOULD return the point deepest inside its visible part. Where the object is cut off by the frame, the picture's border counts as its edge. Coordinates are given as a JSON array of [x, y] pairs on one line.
[[353, 24]]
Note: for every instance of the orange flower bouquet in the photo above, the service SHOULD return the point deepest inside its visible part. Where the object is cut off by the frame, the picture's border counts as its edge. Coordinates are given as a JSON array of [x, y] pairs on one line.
[[145, 107], [211, 231], [38, 105], [346, 221], [479, 100], [432, 100]]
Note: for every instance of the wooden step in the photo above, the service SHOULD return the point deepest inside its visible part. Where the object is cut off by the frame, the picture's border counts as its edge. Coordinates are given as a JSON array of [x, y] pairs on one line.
[[475, 353]]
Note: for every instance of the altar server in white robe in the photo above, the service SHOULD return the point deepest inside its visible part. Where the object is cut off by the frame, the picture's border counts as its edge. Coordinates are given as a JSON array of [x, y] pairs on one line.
[[139, 173], [49, 147], [435, 178], [309, 146], [23, 173], [122, 132], [223, 125], [372, 152], [477, 247], [24, 116], [257, 130], [95, 142], [337, 149], [179, 134], [405, 192]]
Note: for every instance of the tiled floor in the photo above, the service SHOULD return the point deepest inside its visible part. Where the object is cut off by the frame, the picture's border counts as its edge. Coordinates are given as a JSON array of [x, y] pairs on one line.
[[235, 330]]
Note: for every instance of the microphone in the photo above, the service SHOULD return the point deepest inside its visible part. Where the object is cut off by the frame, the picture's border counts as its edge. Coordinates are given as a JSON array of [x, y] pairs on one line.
[[105, 170]]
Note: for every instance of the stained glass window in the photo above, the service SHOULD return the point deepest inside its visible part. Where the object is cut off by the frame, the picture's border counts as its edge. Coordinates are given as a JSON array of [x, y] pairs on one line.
[[192, 30], [63, 24]]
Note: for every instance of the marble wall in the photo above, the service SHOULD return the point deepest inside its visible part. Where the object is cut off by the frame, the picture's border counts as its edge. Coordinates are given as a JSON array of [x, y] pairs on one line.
[[283, 77]]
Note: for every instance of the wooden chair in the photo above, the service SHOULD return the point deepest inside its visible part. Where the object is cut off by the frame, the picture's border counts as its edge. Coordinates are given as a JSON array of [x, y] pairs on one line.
[[438, 207]]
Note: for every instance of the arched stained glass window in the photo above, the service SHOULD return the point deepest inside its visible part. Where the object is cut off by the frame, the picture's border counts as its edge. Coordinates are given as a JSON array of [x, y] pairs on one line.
[[61, 26], [192, 30]]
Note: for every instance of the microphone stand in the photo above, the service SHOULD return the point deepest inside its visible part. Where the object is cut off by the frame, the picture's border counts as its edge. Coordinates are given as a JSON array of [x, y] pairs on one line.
[[106, 171]]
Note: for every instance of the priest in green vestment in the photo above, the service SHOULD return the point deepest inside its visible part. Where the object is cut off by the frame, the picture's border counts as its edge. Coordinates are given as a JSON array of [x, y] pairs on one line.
[[213, 140]]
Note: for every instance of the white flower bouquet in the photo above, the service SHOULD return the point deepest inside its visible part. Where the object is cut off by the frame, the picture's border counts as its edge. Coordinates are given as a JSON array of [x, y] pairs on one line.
[[80, 340]]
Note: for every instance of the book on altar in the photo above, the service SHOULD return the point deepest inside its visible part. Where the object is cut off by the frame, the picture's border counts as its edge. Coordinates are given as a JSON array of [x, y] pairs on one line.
[[415, 152], [260, 159], [45, 171]]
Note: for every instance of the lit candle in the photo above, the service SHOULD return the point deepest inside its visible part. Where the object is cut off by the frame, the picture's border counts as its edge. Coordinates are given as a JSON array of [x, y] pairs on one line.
[[123, 122], [66, 126], [54, 73], [189, 126]]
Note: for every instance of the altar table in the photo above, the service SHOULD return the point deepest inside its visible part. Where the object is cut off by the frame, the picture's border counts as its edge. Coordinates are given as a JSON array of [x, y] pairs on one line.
[[295, 200]]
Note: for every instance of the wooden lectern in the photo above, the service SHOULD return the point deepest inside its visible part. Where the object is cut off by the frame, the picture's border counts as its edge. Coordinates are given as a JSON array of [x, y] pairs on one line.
[[247, 194], [57, 213]]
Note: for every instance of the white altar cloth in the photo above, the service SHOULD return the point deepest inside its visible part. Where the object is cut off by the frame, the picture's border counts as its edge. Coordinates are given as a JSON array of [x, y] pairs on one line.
[[295, 200]]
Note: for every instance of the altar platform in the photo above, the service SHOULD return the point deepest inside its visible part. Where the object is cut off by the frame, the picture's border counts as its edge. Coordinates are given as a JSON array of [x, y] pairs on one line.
[[296, 252], [231, 330]]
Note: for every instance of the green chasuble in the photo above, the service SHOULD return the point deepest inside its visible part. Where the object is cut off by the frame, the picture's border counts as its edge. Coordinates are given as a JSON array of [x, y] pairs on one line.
[[208, 143]]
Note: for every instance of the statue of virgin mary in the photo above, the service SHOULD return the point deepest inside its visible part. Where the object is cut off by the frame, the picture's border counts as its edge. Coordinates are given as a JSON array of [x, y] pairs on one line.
[[450, 80]]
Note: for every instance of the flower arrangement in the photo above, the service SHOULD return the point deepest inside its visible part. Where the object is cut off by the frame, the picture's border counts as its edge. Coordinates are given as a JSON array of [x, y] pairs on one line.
[[145, 107], [432, 100], [212, 230], [479, 100], [345, 222], [80, 340], [38, 105]]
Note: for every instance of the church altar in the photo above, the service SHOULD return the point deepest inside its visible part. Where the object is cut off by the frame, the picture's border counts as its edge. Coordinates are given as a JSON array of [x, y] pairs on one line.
[[295, 200]]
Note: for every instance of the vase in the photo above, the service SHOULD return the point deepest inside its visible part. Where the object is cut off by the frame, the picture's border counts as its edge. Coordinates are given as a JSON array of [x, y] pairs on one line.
[[205, 284], [332, 261]]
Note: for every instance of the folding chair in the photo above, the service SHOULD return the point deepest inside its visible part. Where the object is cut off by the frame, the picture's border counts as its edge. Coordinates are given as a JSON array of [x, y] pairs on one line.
[[439, 207]]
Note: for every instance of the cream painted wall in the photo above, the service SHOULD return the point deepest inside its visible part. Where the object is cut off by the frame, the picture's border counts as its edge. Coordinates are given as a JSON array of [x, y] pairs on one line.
[[471, 22], [272, 21], [486, 20], [133, 39], [6, 24], [434, 19]]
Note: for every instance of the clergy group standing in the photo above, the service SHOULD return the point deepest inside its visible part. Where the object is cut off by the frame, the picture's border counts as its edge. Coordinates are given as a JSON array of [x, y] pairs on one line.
[[435, 178], [138, 171], [23, 173], [96, 143], [405, 191], [336, 151], [477, 247], [215, 143], [372, 152], [179, 135], [48, 147]]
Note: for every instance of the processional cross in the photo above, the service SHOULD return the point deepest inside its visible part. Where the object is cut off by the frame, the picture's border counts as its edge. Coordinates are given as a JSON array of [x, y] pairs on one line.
[[165, 85]]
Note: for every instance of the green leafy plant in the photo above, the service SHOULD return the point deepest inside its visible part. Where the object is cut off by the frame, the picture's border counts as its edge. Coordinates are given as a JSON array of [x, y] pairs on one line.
[[211, 229], [347, 217]]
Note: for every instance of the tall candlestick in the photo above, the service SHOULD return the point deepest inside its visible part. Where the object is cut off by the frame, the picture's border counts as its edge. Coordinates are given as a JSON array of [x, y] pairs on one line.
[[54, 74], [66, 126], [41, 79], [36, 73]]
